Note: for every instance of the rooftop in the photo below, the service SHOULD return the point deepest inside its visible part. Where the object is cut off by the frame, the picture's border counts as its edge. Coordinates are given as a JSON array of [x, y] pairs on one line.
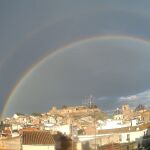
[[37, 138]]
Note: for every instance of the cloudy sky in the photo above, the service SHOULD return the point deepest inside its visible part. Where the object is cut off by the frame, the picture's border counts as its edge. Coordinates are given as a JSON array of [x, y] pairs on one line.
[[57, 52]]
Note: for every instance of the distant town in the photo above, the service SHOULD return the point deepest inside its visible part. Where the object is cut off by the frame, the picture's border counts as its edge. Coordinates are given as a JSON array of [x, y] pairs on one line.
[[84, 127]]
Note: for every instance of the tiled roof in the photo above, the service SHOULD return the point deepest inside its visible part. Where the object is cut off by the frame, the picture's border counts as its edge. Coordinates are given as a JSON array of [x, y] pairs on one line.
[[27, 129], [37, 138]]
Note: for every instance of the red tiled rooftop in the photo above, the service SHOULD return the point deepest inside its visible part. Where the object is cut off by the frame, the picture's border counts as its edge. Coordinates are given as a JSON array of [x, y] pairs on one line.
[[27, 129], [37, 138]]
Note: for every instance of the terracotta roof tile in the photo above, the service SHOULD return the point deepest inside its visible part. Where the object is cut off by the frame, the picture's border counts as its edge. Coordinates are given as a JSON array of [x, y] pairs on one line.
[[37, 138]]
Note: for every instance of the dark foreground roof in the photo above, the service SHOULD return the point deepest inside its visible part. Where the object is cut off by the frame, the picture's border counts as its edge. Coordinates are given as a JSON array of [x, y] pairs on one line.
[[37, 138]]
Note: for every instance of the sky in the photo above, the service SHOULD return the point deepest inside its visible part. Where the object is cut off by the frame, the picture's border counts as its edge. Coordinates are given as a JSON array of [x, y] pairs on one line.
[[55, 53]]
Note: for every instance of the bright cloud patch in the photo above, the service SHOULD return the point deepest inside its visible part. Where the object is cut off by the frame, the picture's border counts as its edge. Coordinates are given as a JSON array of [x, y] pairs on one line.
[[129, 98], [139, 98]]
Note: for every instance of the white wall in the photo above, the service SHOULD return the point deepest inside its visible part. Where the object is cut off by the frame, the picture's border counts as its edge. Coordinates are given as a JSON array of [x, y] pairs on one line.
[[79, 146], [37, 147], [134, 136], [65, 129], [118, 117], [16, 127], [134, 122], [112, 124]]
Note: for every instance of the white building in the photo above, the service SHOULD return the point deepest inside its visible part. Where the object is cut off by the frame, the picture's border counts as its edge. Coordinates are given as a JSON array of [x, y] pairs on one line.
[[112, 124], [64, 129], [128, 134], [16, 127], [118, 117]]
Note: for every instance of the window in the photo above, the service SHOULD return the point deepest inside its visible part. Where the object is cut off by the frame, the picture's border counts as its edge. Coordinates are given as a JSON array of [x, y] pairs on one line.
[[120, 138], [128, 137]]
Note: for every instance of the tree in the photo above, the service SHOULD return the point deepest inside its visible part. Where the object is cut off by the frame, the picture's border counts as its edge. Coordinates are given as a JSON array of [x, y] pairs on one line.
[[63, 140], [20, 114], [64, 107], [81, 132], [36, 114], [140, 107]]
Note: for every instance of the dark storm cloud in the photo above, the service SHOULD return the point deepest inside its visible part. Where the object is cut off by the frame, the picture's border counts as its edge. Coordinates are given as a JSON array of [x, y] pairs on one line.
[[32, 29], [105, 68]]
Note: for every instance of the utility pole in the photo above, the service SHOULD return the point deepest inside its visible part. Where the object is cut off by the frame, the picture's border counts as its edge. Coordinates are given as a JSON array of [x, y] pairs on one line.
[[95, 129], [71, 126], [113, 145], [72, 136], [90, 106]]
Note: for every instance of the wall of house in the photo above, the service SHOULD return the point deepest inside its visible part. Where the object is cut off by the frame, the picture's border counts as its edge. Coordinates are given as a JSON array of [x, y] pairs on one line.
[[16, 127], [133, 136], [79, 146], [118, 117], [65, 129], [146, 117], [112, 124], [10, 143], [38, 147], [100, 141]]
